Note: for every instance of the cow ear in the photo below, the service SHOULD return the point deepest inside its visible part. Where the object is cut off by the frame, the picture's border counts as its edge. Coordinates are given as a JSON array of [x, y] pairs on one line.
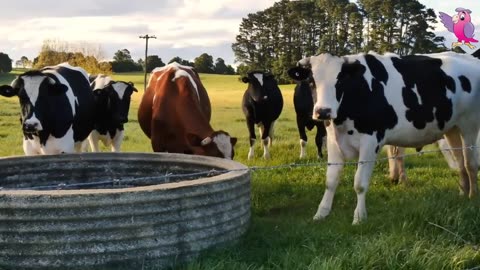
[[233, 141], [8, 91], [245, 80], [299, 73], [133, 86]]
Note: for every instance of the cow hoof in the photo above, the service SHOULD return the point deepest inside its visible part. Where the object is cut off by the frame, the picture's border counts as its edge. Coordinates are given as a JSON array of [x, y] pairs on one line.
[[303, 155], [359, 217], [321, 214], [318, 218], [266, 156], [357, 221], [250, 154]]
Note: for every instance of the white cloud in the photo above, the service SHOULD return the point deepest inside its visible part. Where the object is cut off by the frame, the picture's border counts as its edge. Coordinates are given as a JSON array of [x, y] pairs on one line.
[[183, 28], [199, 24]]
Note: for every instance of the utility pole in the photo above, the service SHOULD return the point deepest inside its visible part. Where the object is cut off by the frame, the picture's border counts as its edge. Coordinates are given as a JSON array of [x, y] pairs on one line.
[[146, 37]]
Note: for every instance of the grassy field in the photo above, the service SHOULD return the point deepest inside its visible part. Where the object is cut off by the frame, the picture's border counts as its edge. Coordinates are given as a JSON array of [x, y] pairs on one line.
[[402, 231]]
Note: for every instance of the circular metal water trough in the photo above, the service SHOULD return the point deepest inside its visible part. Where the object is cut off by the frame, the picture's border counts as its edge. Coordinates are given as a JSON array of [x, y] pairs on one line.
[[118, 210]]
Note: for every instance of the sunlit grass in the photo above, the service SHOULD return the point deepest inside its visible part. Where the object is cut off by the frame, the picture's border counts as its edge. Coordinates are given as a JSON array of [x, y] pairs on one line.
[[398, 234]]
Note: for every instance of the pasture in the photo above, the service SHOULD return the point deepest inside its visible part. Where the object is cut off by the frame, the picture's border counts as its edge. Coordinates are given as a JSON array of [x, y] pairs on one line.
[[426, 225]]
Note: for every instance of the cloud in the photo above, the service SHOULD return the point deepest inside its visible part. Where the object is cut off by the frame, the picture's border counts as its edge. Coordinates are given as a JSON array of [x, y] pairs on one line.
[[116, 24]]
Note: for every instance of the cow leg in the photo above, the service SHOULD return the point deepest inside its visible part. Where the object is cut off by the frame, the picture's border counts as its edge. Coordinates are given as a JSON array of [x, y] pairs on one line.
[[29, 149], [303, 136], [251, 130], [447, 154], [455, 141], [332, 181], [396, 164], [321, 133], [271, 133], [93, 139], [266, 140], [117, 141], [362, 177], [78, 146], [471, 161]]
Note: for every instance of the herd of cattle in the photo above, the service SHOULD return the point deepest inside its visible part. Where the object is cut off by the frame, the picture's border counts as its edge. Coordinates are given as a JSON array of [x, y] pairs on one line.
[[358, 102]]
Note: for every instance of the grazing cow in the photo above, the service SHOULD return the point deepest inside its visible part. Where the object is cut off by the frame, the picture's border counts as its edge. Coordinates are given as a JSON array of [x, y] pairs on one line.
[[262, 104], [112, 103], [370, 100], [175, 114], [303, 99], [56, 108]]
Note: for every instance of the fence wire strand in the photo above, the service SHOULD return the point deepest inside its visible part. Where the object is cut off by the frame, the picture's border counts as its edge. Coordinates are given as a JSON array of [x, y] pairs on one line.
[[213, 172]]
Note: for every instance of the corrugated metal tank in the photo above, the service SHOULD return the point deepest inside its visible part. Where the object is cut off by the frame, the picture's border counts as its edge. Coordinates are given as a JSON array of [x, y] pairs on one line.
[[123, 210]]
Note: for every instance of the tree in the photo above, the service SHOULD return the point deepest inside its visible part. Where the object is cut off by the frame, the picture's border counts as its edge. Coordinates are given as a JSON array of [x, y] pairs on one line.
[[24, 62], [181, 61], [122, 55], [154, 61], [222, 68], [141, 62], [123, 62], [5, 63], [242, 70], [274, 39], [204, 63], [56, 52]]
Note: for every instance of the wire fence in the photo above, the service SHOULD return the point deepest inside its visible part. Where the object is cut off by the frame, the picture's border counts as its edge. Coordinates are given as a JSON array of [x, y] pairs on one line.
[[167, 177]]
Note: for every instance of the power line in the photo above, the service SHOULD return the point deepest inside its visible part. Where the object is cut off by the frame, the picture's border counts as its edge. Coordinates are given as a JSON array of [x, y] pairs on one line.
[[146, 37]]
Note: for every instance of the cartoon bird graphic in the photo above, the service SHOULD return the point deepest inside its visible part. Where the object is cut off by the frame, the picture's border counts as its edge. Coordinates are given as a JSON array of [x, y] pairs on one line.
[[460, 24]]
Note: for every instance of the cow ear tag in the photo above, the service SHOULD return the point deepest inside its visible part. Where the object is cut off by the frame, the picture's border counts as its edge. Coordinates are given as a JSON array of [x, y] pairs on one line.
[[206, 141]]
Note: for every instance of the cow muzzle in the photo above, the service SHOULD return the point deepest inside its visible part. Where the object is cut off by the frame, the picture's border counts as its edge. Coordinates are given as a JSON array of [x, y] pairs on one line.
[[322, 114], [32, 128]]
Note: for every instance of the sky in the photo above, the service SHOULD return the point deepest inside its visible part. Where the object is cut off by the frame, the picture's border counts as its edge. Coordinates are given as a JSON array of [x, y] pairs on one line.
[[185, 28]]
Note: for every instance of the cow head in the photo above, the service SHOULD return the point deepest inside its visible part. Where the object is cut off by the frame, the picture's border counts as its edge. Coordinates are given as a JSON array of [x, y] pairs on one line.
[[219, 144], [113, 98], [326, 70], [304, 76], [119, 97], [257, 85], [34, 91]]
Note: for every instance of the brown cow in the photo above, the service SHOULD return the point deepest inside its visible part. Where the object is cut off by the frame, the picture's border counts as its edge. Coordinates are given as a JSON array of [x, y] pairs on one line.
[[175, 114]]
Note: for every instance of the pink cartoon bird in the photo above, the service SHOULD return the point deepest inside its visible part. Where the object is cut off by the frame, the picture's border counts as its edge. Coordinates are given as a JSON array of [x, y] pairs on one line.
[[460, 24]]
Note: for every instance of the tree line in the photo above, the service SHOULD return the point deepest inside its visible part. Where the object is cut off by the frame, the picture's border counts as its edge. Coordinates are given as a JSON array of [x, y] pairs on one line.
[[123, 62], [87, 56], [276, 38]]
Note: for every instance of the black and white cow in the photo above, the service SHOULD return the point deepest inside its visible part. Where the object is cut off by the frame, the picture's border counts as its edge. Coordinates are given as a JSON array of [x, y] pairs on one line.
[[303, 100], [112, 103], [262, 104], [56, 108], [370, 100]]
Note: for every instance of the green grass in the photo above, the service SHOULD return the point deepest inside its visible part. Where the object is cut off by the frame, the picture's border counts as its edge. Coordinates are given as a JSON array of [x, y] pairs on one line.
[[398, 234]]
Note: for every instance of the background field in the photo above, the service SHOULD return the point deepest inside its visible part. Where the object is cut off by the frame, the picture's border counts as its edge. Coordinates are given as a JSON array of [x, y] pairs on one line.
[[402, 229]]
